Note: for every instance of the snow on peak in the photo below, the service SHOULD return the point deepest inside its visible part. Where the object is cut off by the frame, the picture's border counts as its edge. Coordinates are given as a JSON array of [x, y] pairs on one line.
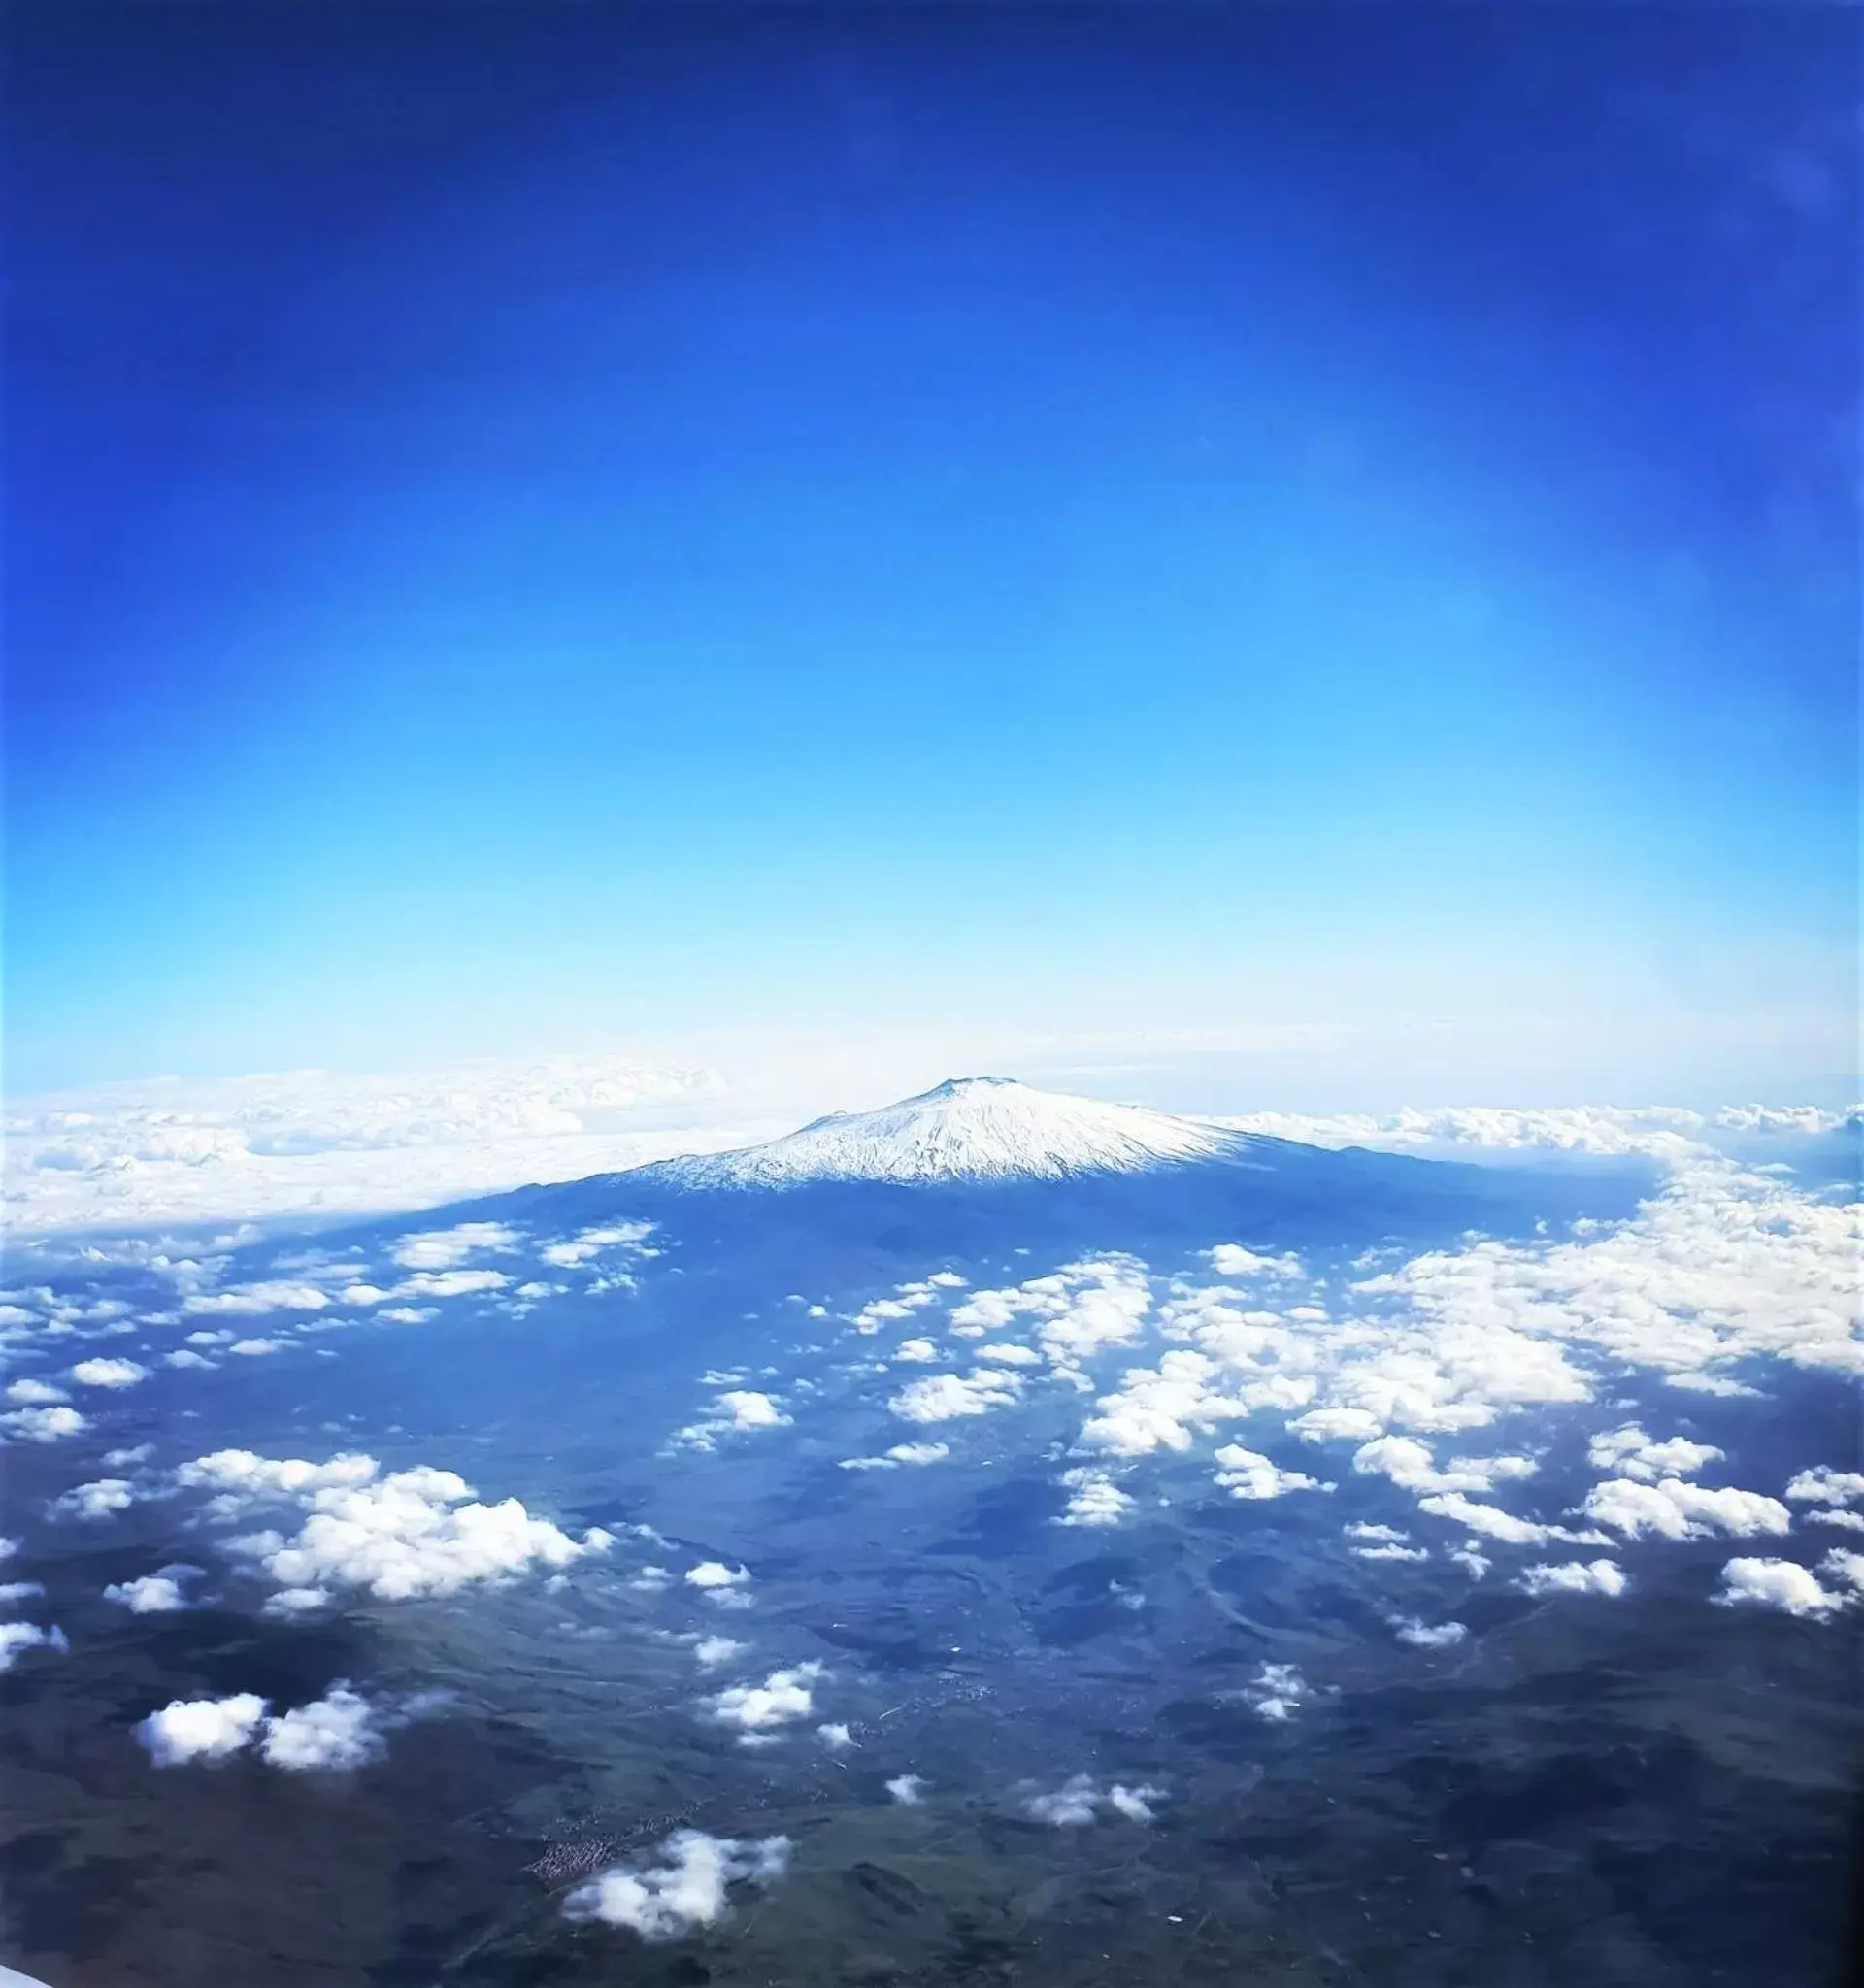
[[968, 1128]]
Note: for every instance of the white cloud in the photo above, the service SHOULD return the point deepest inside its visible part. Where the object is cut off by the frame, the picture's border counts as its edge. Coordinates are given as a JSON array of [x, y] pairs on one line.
[[201, 1728], [43, 1425], [1073, 1806], [320, 1142], [902, 1453], [1719, 1266], [18, 1637], [710, 1651], [1233, 1260], [1633, 1454], [152, 1594], [907, 1790], [747, 1408], [1277, 1692], [915, 1352], [100, 1499], [1010, 1354], [714, 1576], [1574, 1577], [686, 1889], [30, 1391], [1337, 1425], [1078, 1801], [1411, 1466], [1245, 1473], [1094, 1499], [835, 1737], [1074, 1312], [1426, 1635], [1845, 1567], [107, 1372], [1493, 1523], [341, 1729], [946, 1397], [1824, 1485], [254, 1349], [448, 1248], [1664, 1131], [411, 1533], [1782, 1584], [782, 1699], [629, 1237], [1683, 1511]]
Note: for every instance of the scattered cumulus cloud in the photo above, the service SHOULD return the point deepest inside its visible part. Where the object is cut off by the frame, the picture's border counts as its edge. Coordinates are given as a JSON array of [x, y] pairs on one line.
[[1678, 1510], [1780, 1584], [755, 1711], [686, 1887], [1081, 1801], [107, 1373], [1574, 1577], [419, 1532]]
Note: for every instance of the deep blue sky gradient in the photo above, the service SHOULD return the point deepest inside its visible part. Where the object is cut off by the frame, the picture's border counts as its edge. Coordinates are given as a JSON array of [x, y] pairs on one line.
[[530, 528]]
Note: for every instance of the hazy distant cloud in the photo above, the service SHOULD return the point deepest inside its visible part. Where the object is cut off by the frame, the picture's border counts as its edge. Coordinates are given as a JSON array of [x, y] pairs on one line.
[[686, 1888], [909, 1790], [318, 1142]]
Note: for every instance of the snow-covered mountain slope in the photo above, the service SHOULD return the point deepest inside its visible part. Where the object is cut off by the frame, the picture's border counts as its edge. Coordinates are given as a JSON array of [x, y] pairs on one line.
[[970, 1128]]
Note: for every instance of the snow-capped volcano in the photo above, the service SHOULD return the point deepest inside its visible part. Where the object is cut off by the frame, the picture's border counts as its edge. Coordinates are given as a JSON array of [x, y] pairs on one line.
[[969, 1128]]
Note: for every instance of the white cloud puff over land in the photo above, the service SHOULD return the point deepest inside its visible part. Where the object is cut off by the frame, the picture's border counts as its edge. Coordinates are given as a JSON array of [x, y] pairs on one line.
[[339, 1731], [756, 1711], [408, 1532], [686, 1887], [1082, 1801]]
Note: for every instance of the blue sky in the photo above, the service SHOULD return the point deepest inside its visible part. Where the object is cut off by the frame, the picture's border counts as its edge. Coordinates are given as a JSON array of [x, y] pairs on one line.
[[537, 532]]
